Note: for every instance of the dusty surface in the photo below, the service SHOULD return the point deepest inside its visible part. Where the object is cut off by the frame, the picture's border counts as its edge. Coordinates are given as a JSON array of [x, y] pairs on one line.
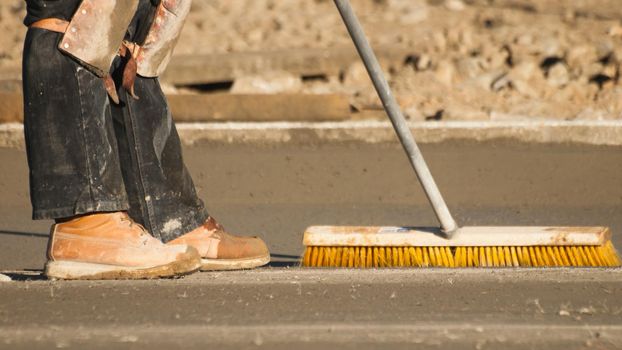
[[475, 59], [304, 309], [277, 192]]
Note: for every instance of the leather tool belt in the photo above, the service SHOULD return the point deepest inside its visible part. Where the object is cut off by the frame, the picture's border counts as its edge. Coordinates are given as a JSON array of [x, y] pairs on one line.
[[96, 31], [165, 29], [94, 36]]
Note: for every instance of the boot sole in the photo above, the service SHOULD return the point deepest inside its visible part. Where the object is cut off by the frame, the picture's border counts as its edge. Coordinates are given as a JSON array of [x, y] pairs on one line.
[[72, 270], [234, 264]]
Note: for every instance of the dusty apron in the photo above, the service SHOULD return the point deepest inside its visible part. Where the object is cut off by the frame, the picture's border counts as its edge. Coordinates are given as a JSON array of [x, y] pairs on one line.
[[87, 153]]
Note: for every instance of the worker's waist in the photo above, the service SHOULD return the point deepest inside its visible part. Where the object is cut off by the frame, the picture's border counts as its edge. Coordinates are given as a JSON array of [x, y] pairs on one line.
[[60, 26], [52, 24]]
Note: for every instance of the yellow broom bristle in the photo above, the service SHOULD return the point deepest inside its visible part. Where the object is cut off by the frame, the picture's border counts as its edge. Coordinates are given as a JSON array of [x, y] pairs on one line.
[[538, 256]]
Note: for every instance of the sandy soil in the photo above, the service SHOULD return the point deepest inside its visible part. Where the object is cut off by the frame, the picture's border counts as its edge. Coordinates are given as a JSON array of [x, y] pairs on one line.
[[471, 59]]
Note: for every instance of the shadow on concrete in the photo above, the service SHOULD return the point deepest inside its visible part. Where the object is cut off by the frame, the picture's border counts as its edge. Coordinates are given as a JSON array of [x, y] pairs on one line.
[[284, 256], [26, 275], [284, 264], [284, 260], [20, 233]]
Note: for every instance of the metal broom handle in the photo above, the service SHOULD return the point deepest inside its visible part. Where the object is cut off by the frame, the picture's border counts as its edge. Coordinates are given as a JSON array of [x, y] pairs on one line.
[[448, 225]]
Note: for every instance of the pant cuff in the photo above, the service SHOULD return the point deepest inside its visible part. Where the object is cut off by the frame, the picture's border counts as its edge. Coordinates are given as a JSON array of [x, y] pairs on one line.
[[79, 209]]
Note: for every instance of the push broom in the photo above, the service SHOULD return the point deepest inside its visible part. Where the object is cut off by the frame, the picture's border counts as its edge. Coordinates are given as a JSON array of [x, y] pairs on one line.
[[449, 245]]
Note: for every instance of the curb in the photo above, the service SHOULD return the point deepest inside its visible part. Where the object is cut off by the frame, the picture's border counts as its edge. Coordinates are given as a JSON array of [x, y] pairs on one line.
[[429, 335], [602, 133]]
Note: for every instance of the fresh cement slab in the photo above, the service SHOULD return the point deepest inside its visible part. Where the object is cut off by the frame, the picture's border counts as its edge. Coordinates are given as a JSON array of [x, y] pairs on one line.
[[275, 191], [284, 308]]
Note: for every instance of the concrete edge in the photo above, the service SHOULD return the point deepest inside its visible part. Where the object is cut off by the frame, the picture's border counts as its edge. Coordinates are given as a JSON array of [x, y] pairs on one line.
[[604, 133], [334, 332], [270, 276]]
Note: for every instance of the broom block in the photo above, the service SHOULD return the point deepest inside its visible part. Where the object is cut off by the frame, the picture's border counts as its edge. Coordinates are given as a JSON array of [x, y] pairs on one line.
[[476, 236]]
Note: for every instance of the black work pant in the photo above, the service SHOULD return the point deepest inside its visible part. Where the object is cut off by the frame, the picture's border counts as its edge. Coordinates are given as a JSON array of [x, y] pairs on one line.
[[87, 154]]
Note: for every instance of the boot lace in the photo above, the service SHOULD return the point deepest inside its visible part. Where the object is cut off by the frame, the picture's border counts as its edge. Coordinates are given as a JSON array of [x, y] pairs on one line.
[[133, 225]]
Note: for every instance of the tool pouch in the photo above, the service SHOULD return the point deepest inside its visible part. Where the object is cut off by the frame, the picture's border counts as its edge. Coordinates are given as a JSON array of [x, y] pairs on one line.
[[156, 51], [96, 31]]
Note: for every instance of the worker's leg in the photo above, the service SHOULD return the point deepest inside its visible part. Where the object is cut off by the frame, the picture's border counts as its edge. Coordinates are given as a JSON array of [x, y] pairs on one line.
[[161, 192], [75, 174], [71, 146]]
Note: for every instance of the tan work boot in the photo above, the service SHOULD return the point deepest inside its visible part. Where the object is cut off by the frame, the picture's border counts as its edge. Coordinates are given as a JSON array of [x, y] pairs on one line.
[[113, 246], [222, 251]]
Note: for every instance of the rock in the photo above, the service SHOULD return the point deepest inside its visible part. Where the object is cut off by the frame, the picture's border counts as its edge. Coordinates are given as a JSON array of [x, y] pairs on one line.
[[411, 11], [356, 76], [409, 103], [469, 67], [321, 86], [482, 81], [423, 62], [467, 41], [255, 36], [524, 40], [558, 75], [454, 36], [419, 63], [581, 56], [525, 70], [416, 16], [615, 31], [610, 100], [590, 70], [440, 41], [604, 49], [610, 71], [445, 72], [498, 57], [500, 82], [432, 108], [526, 78], [267, 83], [455, 5], [4, 278], [548, 46], [572, 93], [524, 88], [366, 98], [413, 113]]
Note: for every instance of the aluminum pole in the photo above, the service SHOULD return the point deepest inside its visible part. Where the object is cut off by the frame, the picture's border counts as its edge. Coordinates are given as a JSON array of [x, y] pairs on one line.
[[448, 225]]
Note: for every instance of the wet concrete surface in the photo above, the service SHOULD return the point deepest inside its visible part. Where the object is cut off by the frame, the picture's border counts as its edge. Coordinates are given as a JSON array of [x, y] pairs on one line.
[[293, 308], [276, 191]]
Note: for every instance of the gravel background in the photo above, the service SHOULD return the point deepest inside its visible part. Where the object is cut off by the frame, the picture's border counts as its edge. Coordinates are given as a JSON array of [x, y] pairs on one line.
[[471, 60]]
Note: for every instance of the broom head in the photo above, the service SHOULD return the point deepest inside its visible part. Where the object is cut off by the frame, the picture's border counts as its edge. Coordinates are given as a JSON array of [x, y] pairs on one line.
[[486, 246]]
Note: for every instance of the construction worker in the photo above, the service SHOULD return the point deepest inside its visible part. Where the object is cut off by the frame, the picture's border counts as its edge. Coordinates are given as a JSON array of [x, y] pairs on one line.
[[105, 158]]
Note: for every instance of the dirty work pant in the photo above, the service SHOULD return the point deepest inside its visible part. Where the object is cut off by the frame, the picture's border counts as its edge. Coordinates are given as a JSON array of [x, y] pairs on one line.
[[88, 155]]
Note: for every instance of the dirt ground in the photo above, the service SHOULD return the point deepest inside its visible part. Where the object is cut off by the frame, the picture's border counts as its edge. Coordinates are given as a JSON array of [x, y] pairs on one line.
[[475, 59]]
